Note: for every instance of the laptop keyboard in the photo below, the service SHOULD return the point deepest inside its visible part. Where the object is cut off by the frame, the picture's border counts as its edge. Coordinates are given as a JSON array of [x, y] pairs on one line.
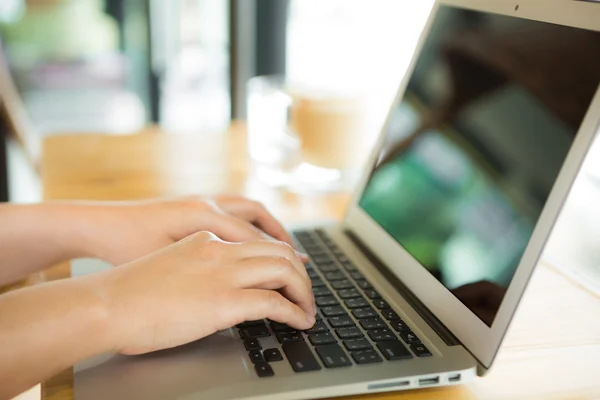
[[355, 325]]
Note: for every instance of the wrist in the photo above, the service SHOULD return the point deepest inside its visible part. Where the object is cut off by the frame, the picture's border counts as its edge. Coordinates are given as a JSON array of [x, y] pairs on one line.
[[71, 226], [89, 314], [118, 320]]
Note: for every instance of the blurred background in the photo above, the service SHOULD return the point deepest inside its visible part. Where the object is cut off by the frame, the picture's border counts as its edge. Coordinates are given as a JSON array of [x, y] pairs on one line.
[[115, 66]]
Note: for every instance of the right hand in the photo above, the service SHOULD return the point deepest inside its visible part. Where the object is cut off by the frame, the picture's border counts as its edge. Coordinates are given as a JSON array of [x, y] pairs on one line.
[[201, 285]]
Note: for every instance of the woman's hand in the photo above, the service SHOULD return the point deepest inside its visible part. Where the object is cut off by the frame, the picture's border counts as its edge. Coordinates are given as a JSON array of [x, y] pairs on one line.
[[36, 236], [201, 285], [124, 231], [173, 296]]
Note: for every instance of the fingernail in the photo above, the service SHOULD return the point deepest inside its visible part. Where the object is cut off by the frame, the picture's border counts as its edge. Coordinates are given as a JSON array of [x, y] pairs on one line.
[[301, 255]]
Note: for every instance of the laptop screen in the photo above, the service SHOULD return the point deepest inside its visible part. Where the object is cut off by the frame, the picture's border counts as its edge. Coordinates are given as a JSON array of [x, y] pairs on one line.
[[473, 148]]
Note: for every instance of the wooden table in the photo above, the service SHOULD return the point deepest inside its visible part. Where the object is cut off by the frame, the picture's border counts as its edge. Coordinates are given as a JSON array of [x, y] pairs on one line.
[[552, 350]]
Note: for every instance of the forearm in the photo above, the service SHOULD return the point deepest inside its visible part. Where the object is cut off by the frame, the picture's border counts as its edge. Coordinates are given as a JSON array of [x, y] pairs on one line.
[[36, 236], [47, 328]]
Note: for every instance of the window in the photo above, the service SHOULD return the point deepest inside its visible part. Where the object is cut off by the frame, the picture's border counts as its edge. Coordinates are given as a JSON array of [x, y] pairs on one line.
[[190, 52]]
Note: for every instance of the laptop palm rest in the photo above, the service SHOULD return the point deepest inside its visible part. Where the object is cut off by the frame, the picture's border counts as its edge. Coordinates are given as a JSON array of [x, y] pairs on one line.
[[209, 364]]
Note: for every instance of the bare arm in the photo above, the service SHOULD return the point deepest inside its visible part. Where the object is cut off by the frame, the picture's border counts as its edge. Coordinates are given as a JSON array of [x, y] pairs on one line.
[[176, 295], [33, 237], [36, 236], [45, 329]]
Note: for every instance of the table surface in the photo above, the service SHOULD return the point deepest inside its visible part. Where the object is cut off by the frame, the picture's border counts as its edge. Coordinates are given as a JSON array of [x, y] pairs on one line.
[[550, 352]]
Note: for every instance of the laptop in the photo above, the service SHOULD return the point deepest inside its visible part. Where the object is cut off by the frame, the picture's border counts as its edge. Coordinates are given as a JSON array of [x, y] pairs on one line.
[[418, 284]]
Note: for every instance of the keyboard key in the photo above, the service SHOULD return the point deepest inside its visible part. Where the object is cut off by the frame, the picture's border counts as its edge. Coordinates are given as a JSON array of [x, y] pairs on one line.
[[326, 239], [357, 344], [323, 301], [366, 357], [312, 273], [367, 312], [321, 338], [349, 293], [322, 259], [380, 304], [372, 323], [343, 259], [317, 282], [250, 323], [359, 302], [315, 242], [332, 246], [348, 266], [256, 331], [399, 325], [333, 311], [279, 327], [349, 333], [290, 337], [394, 350], [364, 284], [329, 243], [252, 344], [410, 337], [420, 350], [389, 314], [328, 268], [341, 321], [308, 243], [336, 250], [335, 276], [307, 237], [314, 250], [343, 284], [381, 335], [321, 291], [319, 327], [256, 356], [263, 370], [300, 357], [323, 235], [333, 356], [272, 355], [356, 275], [372, 294], [301, 234]]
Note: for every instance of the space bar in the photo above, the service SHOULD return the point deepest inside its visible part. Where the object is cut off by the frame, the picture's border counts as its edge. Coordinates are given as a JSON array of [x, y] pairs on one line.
[[300, 357]]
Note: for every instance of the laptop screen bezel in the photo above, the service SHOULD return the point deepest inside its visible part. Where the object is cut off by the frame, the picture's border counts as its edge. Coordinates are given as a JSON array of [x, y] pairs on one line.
[[481, 340]]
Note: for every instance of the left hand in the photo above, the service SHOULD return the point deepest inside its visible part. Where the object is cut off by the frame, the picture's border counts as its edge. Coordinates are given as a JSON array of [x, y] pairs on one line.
[[124, 231]]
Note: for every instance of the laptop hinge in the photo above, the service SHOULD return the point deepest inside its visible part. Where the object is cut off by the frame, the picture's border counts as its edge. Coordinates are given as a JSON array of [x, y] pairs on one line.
[[405, 292]]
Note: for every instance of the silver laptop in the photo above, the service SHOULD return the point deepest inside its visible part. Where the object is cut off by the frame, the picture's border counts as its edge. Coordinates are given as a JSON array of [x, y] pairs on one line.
[[417, 286]]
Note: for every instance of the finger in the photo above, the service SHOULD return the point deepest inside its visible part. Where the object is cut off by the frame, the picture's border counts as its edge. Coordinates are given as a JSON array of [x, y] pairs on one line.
[[273, 272], [261, 248], [253, 304], [230, 228], [302, 256], [255, 213], [203, 236]]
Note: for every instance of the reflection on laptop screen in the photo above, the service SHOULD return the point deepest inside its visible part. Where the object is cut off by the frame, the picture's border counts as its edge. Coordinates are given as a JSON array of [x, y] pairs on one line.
[[473, 148]]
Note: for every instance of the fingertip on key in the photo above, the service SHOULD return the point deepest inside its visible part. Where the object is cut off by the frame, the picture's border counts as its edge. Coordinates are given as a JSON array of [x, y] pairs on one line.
[[302, 256]]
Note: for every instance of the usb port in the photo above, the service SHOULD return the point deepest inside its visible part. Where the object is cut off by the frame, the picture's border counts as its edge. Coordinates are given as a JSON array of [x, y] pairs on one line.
[[429, 381], [454, 378]]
